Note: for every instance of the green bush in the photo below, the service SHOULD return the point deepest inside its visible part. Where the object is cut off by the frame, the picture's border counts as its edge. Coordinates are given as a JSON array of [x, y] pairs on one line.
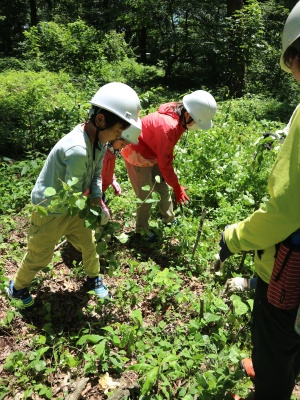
[[11, 63], [128, 71], [73, 47], [36, 110]]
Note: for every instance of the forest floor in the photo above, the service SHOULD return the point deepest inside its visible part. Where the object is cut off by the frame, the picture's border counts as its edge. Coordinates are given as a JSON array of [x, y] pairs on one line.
[[67, 295]]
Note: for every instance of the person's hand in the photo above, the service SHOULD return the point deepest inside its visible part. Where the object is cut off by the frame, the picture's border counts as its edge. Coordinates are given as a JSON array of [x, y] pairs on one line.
[[237, 284], [269, 144], [180, 196], [105, 215], [116, 187], [224, 251], [218, 265]]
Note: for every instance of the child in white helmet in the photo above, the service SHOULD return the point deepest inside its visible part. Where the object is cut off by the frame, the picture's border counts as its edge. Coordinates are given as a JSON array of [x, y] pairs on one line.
[[78, 154], [153, 155]]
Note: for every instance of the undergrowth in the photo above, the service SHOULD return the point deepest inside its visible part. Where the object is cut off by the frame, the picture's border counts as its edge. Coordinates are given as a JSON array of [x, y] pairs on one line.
[[170, 324]]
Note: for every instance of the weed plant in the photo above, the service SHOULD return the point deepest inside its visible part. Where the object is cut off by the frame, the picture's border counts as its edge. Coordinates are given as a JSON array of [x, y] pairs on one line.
[[169, 322]]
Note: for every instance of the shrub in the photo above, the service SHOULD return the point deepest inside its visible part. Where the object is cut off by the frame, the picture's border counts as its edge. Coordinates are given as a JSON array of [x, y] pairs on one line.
[[36, 109]]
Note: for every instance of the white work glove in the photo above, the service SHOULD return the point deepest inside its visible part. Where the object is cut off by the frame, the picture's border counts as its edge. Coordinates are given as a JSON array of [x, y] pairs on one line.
[[105, 215], [218, 264], [237, 284]]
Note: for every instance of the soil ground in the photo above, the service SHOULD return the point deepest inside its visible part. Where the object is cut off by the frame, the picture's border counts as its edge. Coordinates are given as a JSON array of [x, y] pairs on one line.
[[66, 297]]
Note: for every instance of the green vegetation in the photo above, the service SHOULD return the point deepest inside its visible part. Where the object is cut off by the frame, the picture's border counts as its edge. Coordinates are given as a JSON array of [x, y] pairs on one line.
[[169, 324], [170, 332]]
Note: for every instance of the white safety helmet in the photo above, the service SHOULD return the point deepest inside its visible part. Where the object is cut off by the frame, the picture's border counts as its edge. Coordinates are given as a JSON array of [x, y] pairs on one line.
[[291, 32], [132, 134], [121, 100], [202, 107]]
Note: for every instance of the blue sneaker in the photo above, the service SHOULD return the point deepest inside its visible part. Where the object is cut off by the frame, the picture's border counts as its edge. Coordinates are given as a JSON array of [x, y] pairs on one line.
[[150, 236], [22, 294], [97, 286], [174, 223]]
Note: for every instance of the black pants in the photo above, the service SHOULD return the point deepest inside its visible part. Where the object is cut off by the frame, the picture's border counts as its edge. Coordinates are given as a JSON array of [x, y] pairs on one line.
[[276, 348]]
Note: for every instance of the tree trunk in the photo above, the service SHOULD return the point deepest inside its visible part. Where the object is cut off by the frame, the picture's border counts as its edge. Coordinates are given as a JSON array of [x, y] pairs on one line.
[[33, 12], [233, 5], [237, 73]]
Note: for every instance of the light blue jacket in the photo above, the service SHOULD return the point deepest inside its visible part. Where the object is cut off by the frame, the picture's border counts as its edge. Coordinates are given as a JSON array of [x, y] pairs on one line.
[[72, 156]]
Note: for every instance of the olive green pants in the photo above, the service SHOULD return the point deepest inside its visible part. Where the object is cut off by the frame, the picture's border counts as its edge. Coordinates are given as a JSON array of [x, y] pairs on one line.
[[44, 232], [143, 176]]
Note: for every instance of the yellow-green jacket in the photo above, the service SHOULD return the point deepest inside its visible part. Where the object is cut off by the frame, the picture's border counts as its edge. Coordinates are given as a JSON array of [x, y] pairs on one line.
[[280, 216]]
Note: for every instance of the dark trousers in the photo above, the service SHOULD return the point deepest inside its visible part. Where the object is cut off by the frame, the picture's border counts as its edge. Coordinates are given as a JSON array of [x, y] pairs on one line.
[[276, 348]]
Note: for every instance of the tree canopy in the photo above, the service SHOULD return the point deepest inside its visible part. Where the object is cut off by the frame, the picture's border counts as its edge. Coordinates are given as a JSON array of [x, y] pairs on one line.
[[231, 46]]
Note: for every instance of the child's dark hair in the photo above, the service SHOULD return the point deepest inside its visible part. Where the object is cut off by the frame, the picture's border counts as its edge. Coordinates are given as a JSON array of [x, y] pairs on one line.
[[292, 52], [110, 118], [179, 110]]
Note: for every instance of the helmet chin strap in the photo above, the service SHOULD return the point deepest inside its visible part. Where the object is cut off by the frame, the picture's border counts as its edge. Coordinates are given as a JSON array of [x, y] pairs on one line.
[[96, 140], [187, 122]]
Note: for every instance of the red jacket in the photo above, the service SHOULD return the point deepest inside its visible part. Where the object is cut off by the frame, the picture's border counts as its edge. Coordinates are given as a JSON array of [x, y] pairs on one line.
[[108, 167], [161, 131]]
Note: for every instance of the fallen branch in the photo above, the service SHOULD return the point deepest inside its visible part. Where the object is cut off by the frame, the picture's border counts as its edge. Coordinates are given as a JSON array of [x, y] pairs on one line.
[[79, 387], [60, 245], [120, 394]]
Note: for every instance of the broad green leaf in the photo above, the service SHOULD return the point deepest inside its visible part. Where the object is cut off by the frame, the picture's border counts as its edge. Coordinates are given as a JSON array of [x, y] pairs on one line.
[[155, 196], [27, 393], [169, 358], [46, 391], [117, 363], [189, 363], [42, 351], [150, 379], [150, 201], [80, 203], [137, 315], [42, 210], [89, 338], [211, 317], [140, 367], [42, 339], [95, 212], [100, 348], [250, 302], [116, 340], [123, 238], [240, 308], [72, 181], [71, 361], [115, 226], [220, 304], [101, 247], [38, 365], [146, 187], [188, 397], [49, 191], [9, 316], [109, 329]]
